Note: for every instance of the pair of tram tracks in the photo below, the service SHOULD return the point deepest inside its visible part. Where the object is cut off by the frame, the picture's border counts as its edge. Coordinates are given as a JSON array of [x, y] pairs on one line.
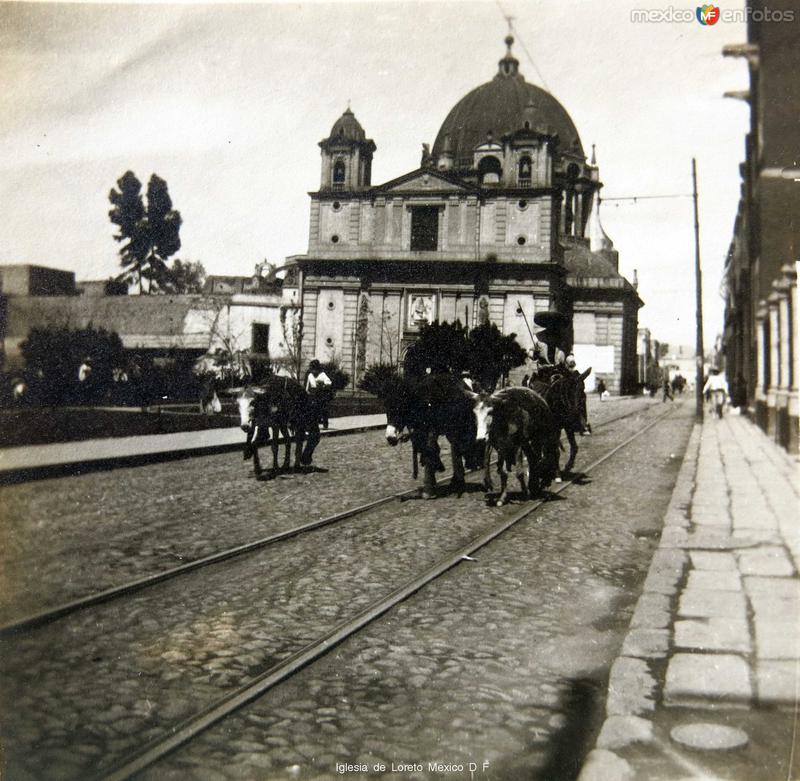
[[187, 730], [65, 609]]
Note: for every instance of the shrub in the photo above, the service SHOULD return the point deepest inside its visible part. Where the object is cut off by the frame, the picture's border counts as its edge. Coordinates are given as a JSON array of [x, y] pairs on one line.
[[378, 378], [339, 378], [54, 355]]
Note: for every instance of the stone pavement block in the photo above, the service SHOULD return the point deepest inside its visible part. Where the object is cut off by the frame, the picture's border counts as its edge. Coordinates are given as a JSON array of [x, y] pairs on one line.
[[714, 580], [676, 517], [630, 687], [652, 611], [604, 765], [666, 571], [774, 608], [669, 560], [771, 561], [661, 583], [707, 603], [779, 588], [646, 643], [756, 537], [713, 634], [712, 538], [620, 731], [711, 518], [746, 516], [709, 560], [707, 679], [778, 682], [674, 537], [778, 639]]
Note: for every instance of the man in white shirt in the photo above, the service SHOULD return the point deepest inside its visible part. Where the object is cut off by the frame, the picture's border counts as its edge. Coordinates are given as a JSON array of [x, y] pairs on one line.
[[318, 386], [717, 387]]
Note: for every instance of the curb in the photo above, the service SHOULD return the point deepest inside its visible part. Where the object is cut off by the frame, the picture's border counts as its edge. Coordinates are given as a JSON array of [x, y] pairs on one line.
[[632, 683], [13, 476]]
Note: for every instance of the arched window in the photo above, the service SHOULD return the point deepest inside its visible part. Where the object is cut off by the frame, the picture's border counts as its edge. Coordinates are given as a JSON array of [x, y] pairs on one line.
[[338, 175], [524, 171], [489, 170]]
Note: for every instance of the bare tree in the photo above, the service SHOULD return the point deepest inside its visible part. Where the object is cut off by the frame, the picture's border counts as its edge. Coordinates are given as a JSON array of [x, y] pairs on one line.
[[224, 357], [292, 332], [383, 337]]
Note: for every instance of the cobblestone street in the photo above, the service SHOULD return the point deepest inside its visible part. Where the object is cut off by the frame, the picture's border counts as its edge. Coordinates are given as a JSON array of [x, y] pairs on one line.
[[503, 657]]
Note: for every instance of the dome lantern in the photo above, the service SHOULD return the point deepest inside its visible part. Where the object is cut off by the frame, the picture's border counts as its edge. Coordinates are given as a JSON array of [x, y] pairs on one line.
[[509, 65], [507, 104]]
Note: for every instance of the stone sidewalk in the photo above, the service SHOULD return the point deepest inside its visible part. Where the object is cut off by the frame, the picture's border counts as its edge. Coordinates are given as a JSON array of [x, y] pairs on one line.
[[41, 460], [709, 672]]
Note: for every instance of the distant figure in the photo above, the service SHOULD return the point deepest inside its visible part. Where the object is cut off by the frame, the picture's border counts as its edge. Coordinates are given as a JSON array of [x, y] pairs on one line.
[[85, 370], [85, 380], [716, 391], [601, 389], [19, 390], [320, 390], [667, 391]]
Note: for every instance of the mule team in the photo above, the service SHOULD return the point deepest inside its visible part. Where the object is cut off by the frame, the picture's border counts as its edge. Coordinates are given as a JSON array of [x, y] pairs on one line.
[[512, 422]]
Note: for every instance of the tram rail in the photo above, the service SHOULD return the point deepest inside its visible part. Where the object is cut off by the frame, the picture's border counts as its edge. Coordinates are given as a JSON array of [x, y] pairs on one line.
[[188, 729], [65, 609]]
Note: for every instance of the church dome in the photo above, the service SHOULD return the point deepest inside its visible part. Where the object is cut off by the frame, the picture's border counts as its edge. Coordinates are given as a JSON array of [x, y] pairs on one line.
[[347, 128], [503, 106]]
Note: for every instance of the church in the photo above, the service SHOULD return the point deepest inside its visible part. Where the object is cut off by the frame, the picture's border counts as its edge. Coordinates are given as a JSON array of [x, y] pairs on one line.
[[498, 224]]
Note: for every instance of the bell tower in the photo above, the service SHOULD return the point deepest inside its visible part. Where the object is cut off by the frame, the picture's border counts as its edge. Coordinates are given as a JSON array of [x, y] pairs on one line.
[[346, 156]]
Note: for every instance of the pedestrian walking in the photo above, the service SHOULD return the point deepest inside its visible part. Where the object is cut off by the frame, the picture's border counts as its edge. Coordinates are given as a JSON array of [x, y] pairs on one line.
[[716, 391], [601, 389], [667, 391]]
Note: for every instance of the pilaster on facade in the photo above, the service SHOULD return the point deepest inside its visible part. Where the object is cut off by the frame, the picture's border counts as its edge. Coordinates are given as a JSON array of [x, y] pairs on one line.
[[762, 351], [774, 362]]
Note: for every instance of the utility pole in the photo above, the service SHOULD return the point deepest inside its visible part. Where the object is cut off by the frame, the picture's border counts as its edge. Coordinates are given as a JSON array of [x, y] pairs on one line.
[[698, 302]]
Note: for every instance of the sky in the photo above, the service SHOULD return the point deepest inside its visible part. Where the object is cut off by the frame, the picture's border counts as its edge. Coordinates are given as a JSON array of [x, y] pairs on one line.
[[228, 102]]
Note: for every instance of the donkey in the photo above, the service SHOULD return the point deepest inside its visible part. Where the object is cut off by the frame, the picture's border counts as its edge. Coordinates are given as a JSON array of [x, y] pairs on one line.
[[515, 421], [566, 396], [424, 409], [278, 406]]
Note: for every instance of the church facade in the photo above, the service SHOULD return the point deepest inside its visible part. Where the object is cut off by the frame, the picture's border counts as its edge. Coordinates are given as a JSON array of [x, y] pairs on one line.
[[500, 222]]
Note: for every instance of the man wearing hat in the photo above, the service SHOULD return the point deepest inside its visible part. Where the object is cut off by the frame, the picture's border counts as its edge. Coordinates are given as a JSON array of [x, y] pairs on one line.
[[549, 343]]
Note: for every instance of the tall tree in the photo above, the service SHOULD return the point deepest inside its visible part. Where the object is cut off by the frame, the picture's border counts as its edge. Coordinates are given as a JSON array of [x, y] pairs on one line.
[[150, 235]]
